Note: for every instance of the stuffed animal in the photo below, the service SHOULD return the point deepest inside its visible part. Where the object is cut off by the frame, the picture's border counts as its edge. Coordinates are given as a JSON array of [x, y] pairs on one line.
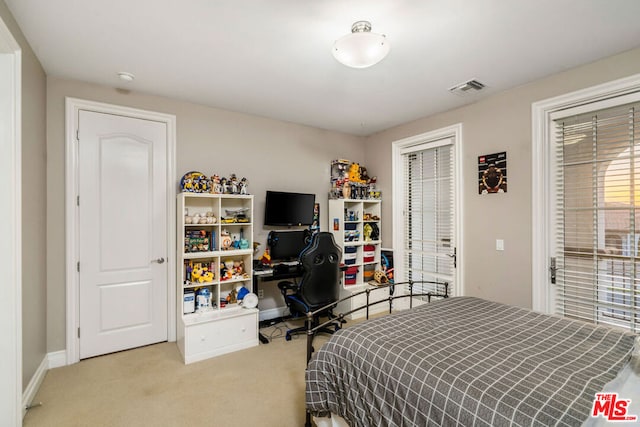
[[354, 173], [232, 298], [266, 257]]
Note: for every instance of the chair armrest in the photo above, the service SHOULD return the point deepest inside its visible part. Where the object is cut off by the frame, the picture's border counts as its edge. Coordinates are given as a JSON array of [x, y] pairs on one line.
[[286, 286]]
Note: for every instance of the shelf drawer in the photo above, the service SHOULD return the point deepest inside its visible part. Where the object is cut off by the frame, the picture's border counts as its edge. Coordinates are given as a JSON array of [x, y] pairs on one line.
[[220, 336]]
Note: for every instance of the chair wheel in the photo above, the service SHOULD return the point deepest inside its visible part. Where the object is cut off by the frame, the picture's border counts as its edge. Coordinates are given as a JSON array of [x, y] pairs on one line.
[[288, 337]]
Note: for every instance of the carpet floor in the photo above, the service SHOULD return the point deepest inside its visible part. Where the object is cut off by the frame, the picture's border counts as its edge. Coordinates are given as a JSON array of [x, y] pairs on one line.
[[151, 386]]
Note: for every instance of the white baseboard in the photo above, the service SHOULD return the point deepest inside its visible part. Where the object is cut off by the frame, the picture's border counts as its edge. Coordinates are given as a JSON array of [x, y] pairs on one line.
[[52, 360], [57, 359], [34, 385]]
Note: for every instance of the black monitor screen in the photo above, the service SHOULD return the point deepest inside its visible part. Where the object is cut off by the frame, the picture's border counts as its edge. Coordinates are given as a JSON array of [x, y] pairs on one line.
[[288, 209], [287, 245]]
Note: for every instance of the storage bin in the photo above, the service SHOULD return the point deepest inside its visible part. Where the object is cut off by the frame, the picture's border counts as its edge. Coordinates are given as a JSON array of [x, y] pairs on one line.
[[369, 253], [350, 249], [350, 276], [368, 272], [350, 258]]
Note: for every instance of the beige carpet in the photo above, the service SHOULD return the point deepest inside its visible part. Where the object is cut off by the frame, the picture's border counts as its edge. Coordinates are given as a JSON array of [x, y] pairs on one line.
[[151, 386]]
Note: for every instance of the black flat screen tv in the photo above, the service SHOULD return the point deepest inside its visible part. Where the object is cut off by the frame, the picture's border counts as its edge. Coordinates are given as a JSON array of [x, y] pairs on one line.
[[288, 209]]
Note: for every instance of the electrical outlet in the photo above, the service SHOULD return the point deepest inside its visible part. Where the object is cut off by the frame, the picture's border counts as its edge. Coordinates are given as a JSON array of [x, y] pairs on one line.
[[260, 294]]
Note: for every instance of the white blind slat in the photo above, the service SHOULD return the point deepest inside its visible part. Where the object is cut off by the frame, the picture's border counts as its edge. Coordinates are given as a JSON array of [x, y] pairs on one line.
[[428, 206], [598, 221]]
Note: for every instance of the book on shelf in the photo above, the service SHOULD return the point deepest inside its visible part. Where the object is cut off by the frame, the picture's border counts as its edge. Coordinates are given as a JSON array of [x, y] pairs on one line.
[[199, 241]]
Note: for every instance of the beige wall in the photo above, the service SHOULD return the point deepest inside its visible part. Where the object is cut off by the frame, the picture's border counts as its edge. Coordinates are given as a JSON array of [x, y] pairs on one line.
[[271, 154], [278, 155], [34, 208], [500, 123]]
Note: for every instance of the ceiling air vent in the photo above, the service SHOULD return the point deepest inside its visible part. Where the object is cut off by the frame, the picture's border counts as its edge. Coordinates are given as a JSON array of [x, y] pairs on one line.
[[467, 87]]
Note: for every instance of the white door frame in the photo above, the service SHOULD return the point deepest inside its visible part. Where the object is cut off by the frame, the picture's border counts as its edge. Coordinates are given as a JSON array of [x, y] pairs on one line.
[[453, 132], [542, 154], [73, 105], [11, 409]]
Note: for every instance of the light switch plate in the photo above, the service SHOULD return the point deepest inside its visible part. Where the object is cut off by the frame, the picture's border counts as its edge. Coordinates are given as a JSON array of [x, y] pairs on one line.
[[499, 245]]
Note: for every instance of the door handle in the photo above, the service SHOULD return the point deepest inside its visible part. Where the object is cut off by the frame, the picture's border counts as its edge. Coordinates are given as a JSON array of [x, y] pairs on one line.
[[159, 260], [454, 255]]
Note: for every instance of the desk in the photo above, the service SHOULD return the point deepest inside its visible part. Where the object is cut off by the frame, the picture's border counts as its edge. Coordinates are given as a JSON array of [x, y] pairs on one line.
[[267, 273]]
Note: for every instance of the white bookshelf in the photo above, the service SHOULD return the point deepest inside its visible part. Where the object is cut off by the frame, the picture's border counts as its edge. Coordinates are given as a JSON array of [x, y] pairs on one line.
[[348, 221], [220, 327]]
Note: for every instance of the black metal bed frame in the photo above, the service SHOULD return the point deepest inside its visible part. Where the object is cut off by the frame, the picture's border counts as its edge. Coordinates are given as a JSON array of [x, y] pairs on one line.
[[338, 319]]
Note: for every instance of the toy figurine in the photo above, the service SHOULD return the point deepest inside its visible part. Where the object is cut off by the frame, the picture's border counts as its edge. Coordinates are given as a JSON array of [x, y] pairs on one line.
[[244, 186], [232, 298], [224, 187], [266, 257], [366, 232], [346, 189], [225, 240], [216, 187], [233, 184], [238, 267]]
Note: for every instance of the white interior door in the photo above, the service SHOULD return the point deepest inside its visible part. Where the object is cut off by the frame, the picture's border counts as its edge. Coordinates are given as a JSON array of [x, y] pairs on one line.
[[122, 232]]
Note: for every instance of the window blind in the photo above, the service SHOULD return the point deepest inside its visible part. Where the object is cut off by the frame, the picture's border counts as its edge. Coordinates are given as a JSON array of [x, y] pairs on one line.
[[598, 216], [428, 208]]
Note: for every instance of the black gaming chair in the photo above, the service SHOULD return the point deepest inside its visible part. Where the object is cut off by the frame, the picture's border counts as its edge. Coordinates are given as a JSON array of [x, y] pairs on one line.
[[320, 282]]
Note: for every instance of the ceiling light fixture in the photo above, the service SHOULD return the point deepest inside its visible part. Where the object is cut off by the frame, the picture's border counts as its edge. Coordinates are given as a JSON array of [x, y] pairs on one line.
[[127, 77], [361, 48]]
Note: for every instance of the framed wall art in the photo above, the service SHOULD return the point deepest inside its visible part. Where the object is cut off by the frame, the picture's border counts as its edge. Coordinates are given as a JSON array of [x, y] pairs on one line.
[[492, 173]]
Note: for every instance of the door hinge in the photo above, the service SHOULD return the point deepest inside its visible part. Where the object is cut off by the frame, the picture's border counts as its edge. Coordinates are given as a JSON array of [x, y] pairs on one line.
[[77, 200], [78, 332], [78, 135], [553, 269], [78, 266]]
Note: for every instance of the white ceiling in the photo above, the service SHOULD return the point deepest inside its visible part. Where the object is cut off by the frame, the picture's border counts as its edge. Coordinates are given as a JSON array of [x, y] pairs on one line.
[[273, 57]]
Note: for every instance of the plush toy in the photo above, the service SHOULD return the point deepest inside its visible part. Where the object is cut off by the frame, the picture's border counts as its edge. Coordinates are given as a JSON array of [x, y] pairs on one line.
[[196, 274], [364, 176], [232, 298], [354, 173], [266, 257]]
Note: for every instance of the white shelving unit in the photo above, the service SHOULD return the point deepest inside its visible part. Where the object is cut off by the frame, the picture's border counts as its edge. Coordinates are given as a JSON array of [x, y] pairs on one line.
[[202, 248], [349, 220]]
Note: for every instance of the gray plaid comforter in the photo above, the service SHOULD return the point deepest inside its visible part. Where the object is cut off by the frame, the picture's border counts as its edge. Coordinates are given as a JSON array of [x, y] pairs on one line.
[[465, 361]]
